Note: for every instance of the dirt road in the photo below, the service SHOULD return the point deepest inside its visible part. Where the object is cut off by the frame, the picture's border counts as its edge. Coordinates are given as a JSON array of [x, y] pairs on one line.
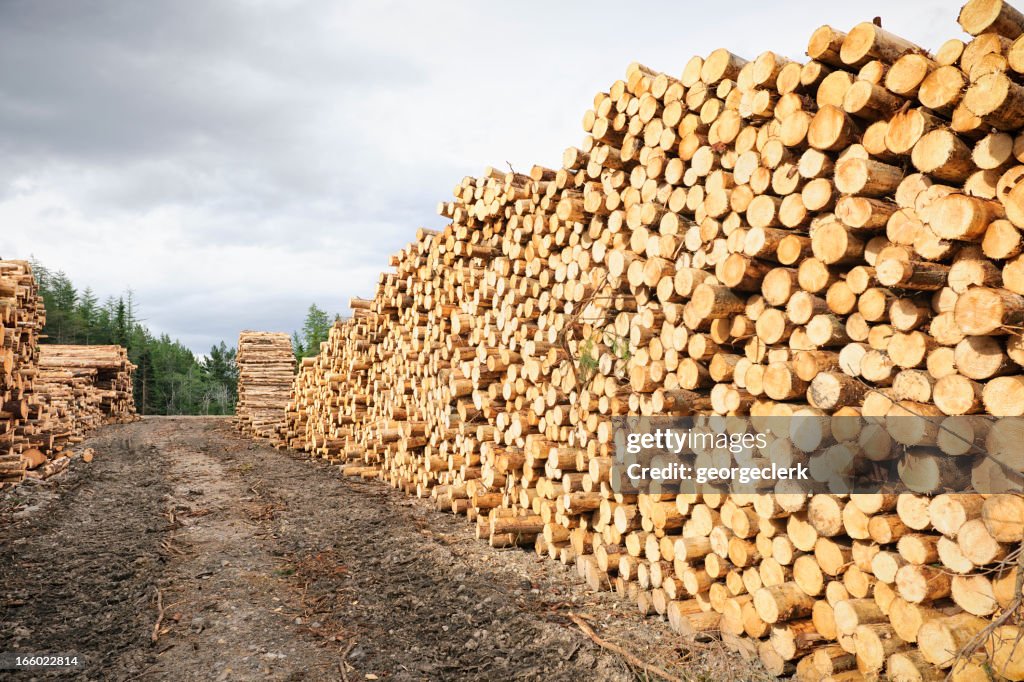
[[184, 552]]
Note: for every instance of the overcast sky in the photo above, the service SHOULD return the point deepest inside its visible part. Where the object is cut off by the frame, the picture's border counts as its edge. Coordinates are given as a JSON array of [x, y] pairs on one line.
[[233, 162]]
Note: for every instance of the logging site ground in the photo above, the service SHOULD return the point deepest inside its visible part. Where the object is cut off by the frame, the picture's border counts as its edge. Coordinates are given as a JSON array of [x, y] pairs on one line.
[[185, 551]]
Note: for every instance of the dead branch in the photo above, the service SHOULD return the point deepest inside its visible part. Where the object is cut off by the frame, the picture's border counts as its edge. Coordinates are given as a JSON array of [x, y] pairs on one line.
[[616, 649], [985, 634], [159, 616]]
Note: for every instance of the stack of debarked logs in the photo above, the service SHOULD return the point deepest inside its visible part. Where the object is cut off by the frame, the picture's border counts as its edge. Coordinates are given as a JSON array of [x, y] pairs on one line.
[[765, 238], [85, 387], [266, 368], [22, 317]]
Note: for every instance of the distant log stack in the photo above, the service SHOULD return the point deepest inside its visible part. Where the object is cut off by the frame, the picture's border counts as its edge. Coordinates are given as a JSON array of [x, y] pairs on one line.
[[81, 388], [266, 369], [747, 237], [66, 407]]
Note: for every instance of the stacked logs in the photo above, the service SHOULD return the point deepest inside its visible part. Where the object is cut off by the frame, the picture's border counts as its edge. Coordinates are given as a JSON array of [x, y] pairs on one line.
[[266, 368], [81, 388], [50, 394], [22, 317], [756, 237]]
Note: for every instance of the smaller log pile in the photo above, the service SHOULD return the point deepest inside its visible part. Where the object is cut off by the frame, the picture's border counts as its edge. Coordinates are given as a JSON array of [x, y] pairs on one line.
[[266, 368], [80, 388], [112, 374], [65, 407], [22, 317]]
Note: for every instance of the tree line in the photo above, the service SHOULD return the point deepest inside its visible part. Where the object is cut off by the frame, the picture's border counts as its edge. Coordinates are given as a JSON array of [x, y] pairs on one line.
[[170, 379]]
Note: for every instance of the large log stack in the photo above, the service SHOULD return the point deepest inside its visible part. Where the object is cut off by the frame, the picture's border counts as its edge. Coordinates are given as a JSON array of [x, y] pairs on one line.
[[266, 369], [756, 237], [22, 317]]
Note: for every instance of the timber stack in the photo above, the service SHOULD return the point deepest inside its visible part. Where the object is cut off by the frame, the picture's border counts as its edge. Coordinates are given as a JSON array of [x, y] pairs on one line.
[[51, 394], [81, 388], [767, 237], [22, 316], [266, 369]]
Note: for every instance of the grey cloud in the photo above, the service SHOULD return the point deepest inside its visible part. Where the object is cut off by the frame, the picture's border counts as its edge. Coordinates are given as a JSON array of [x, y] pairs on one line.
[[108, 79], [234, 161]]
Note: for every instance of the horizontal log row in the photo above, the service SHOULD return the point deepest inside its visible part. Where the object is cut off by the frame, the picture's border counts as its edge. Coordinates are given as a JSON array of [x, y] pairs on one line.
[[81, 388], [266, 369], [755, 237]]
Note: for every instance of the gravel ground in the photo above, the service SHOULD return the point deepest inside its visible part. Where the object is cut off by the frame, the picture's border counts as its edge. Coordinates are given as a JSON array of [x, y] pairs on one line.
[[184, 552]]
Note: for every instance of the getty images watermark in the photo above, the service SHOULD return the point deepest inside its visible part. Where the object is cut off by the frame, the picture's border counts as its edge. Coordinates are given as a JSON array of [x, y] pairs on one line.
[[812, 453], [677, 442]]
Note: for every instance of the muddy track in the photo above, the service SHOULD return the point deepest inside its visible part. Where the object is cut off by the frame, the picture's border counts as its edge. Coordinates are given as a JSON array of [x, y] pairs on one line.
[[79, 557], [267, 566]]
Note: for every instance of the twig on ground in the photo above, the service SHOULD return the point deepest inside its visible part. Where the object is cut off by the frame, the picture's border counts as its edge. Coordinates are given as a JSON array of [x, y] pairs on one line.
[[159, 616], [616, 649], [344, 657], [171, 549]]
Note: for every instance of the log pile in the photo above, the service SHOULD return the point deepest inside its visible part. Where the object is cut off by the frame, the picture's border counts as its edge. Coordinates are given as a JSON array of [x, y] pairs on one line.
[[22, 317], [81, 388], [50, 395], [840, 235], [266, 369]]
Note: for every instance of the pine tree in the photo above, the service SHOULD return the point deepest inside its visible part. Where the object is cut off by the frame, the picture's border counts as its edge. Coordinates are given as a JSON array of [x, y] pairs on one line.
[[314, 331], [40, 272], [120, 321], [88, 315], [60, 298], [220, 377]]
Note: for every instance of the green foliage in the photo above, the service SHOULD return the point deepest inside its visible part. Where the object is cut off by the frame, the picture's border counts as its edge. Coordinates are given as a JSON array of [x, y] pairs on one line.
[[314, 332], [222, 380], [170, 379], [588, 361], [88, 311]]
